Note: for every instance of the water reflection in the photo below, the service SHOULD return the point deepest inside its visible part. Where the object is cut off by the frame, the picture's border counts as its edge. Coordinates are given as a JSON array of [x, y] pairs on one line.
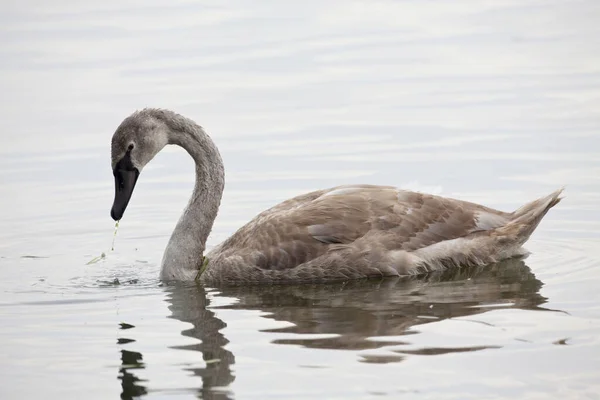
[[130, 361], [190, 304], [354, 312], [358, 310]]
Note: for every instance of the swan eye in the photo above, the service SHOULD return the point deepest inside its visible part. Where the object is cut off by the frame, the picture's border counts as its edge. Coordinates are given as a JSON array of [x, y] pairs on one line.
[[130, 147]]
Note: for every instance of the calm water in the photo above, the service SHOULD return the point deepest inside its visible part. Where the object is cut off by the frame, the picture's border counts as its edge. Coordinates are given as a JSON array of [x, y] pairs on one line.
[[494, 102]]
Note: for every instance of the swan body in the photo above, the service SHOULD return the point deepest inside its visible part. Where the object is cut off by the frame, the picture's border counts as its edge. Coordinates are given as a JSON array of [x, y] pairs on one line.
[[341, 233]]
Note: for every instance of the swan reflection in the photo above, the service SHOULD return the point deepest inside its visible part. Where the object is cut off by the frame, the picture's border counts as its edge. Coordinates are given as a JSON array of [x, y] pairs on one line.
[[190, 303], [353, 312], [130, 384]]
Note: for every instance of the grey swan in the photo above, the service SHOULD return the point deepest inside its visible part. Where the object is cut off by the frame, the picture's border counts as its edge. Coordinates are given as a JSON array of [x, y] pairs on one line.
[[341, 233]]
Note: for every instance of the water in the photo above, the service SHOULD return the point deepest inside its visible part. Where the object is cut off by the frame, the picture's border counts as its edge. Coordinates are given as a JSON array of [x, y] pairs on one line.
[[493, 102]]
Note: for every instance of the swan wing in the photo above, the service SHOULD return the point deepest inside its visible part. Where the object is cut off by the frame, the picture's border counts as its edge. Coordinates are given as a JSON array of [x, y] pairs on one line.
[[306, 227]]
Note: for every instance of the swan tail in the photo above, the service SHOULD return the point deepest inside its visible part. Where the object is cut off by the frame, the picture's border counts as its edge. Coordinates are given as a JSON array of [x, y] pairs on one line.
[[526, 219], [481, 247]]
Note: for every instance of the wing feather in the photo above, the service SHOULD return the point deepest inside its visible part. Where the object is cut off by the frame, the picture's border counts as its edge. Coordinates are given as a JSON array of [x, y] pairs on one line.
[[308, 226]]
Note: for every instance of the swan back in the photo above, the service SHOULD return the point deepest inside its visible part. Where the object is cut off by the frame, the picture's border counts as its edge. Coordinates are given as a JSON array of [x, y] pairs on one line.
[[362, 231]]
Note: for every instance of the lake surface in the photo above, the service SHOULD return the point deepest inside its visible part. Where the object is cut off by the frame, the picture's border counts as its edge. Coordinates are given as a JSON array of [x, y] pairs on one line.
[[492, 102]]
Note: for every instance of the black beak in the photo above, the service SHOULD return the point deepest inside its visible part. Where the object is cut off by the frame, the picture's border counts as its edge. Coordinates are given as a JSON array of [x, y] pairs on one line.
[[126, 176], [124, 184]]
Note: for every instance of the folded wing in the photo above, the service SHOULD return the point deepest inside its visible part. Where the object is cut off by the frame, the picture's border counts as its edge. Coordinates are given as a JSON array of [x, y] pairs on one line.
[[306, 227]]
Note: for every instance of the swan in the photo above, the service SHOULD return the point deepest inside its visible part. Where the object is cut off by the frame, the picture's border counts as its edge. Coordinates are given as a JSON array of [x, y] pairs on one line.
[[341, 233]]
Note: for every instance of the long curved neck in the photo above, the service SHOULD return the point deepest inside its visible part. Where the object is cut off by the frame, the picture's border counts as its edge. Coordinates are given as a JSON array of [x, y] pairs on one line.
[[183, 255]]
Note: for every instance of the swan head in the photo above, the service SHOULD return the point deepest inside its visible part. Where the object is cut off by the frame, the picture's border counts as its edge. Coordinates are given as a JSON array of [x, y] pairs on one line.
[[135, 142]]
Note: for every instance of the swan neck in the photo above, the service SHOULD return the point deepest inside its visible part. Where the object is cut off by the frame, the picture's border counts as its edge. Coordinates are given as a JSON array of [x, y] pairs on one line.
[[184, 252]]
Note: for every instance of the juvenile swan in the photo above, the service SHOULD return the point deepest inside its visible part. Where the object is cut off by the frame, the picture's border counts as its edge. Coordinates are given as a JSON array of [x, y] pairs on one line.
[[345, 232]]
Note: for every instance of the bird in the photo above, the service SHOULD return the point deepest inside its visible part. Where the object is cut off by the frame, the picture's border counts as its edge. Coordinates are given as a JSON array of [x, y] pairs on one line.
[[346, 232]]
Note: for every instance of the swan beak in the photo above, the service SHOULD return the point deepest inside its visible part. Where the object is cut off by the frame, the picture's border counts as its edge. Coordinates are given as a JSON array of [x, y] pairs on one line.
[[125, 180]]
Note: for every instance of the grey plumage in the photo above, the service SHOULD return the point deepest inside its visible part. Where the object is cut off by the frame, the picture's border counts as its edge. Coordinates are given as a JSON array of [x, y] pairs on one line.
[[346, 232]]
